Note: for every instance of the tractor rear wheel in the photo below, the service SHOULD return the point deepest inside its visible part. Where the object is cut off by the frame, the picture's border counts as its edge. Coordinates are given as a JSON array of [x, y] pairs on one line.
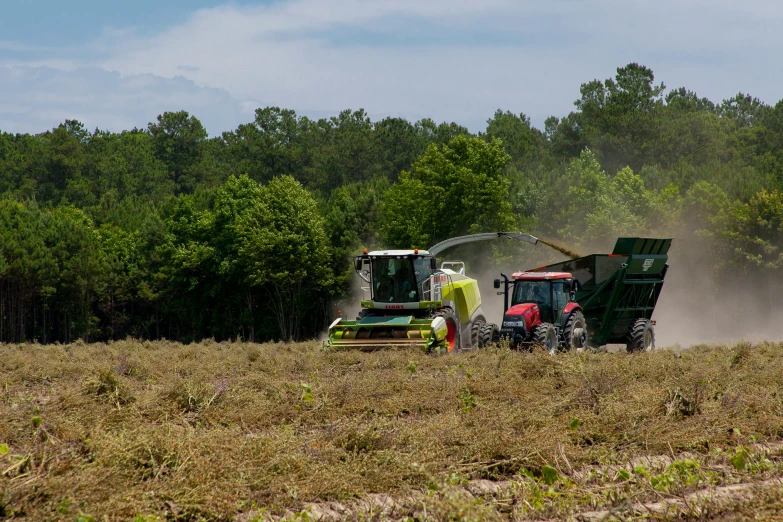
[[575, 333], [641, 336], [544, 334], [451, 343], [488, 334], [475, 333]]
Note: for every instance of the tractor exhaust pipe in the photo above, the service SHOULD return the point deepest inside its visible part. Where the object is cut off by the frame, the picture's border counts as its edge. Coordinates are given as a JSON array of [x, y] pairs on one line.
[[504, 293]]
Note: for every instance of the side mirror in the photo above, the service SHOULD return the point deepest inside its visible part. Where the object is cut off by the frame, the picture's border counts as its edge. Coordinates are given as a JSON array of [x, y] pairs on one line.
[[497, 283], [358, 264], [433, 264]]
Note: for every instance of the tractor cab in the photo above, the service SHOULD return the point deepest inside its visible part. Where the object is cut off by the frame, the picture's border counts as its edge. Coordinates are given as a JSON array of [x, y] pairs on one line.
[[551, 291]]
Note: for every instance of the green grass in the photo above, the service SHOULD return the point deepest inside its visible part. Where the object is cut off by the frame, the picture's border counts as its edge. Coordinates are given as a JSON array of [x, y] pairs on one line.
[[219, 431]]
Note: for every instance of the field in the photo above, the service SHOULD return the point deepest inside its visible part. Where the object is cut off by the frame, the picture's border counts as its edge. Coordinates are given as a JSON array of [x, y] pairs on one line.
[[232, 431]]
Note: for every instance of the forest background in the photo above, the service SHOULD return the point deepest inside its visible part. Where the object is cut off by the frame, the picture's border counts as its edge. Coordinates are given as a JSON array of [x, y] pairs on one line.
[[165, 232]]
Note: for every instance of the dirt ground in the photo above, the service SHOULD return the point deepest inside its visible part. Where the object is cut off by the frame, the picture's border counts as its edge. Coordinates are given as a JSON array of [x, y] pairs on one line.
[[234, 431]]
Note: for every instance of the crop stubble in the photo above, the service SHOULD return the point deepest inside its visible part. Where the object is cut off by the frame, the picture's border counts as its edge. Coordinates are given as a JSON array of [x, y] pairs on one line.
[[222, 431]]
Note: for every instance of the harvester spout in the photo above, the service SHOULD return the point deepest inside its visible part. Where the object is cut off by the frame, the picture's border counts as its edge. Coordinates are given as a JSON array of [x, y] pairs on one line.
[[516, 236]]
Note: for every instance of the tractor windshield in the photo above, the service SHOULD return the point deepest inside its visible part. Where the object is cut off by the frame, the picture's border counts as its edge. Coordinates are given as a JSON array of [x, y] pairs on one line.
[[531, 292], [393, 280]]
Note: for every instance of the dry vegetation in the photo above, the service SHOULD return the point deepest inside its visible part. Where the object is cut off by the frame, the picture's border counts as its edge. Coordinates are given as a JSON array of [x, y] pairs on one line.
[[215, 431]]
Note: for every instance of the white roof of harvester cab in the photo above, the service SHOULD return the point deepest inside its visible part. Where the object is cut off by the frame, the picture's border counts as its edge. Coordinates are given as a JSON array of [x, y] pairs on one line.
[[398, 253]]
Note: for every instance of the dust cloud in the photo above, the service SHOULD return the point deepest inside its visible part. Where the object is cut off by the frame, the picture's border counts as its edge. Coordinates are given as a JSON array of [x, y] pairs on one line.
[[695, 308], [350, 308]]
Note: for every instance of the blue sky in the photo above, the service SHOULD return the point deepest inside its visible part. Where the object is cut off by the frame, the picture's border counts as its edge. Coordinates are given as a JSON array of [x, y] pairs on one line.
[[52, 22], [117, 65]]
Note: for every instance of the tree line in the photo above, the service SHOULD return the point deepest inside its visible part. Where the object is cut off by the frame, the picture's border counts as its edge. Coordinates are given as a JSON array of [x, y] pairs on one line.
[[164, 232]]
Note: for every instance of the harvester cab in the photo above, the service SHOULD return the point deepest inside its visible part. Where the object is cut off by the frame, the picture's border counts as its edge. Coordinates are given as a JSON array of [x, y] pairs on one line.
[[589, 301], [399, 280], [410, 301]]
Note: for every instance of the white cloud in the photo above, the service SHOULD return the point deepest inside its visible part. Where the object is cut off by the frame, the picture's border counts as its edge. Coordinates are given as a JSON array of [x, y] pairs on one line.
[[40, 98], [453, 60], [243, 51]]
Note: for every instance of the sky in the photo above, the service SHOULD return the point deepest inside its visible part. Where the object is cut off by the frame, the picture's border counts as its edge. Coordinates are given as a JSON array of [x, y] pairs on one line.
[[117, 65]]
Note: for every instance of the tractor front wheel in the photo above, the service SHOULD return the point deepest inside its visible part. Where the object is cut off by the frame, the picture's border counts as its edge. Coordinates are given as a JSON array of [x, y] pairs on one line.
[[641, 336], [544, 334], [451, 343]]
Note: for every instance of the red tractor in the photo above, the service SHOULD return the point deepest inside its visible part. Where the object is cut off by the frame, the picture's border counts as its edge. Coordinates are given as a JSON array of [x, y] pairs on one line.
[[542, 311]]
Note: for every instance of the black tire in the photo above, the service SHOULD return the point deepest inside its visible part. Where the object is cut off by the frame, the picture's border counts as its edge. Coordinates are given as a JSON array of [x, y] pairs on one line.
[[364, 312], [545, 335], [488, 335], [475, 333], [641, 336], [575, 320], [452, 322]]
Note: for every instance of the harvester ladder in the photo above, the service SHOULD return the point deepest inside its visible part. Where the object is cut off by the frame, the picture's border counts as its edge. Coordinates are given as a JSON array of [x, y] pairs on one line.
[[435, 282]]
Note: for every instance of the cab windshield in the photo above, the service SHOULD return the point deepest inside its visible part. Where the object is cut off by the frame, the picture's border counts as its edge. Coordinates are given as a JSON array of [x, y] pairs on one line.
[[531, 292], [394, 280]]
